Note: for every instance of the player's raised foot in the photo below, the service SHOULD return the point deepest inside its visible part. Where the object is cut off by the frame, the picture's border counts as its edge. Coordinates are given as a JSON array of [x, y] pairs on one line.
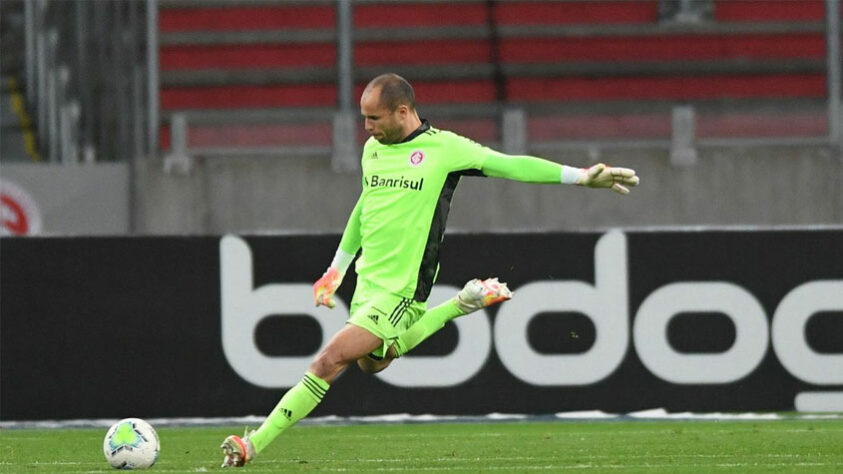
[[479, 294], [238, 451]]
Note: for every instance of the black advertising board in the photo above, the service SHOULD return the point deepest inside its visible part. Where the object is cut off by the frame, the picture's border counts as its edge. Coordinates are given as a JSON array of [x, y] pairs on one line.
[[729, 320]]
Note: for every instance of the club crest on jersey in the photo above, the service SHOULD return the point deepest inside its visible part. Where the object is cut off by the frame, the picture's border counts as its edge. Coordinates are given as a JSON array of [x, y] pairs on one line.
[[416, 157]]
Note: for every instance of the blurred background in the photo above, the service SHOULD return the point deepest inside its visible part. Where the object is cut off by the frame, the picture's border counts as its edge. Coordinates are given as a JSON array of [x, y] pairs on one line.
[[203, 116]]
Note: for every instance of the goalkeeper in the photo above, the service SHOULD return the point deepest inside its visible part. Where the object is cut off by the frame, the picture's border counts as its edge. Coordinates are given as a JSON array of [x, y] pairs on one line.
[[410, 170]]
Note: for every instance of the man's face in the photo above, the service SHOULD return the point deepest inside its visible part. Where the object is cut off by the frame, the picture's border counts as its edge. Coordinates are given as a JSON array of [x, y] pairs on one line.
[[384, 125]]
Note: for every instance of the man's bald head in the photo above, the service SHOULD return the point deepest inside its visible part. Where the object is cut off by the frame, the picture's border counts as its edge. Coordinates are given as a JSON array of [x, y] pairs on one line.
[[394, 91]]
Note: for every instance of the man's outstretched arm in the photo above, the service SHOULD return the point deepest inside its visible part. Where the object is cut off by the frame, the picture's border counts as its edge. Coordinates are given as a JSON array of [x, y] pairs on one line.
[[530, 169], [326, 286]]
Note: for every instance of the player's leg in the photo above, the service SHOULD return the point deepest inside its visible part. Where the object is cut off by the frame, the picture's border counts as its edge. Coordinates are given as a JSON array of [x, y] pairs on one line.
[[475, 295], [347, 345]]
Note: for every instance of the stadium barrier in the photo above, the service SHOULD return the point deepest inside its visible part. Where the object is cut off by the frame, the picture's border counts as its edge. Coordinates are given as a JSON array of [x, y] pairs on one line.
[[714, 320]]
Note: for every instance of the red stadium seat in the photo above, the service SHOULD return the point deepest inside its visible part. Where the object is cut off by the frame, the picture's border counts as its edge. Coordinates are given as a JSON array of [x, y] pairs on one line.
[[529, 53]]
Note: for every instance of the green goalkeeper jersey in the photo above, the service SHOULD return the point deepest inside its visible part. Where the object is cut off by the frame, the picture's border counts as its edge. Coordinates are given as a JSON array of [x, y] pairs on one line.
[[399, 220]]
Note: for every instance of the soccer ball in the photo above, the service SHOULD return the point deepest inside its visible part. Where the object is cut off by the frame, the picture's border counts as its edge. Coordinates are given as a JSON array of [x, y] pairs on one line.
[[131, 443]]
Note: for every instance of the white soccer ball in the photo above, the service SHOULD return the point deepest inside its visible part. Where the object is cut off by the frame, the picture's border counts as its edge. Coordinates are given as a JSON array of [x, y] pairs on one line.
[[131, 443]]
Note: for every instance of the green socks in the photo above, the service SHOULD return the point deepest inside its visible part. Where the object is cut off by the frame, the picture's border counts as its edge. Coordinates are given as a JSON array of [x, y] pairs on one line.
[[300, 400], [296, 404], [430, 322]]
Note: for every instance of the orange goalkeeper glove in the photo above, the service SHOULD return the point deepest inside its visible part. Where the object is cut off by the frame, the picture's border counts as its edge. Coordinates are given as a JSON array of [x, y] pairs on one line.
[[325, 287]]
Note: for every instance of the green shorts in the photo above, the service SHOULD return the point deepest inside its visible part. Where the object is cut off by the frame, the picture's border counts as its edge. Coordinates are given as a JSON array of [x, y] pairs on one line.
[[383, 313]]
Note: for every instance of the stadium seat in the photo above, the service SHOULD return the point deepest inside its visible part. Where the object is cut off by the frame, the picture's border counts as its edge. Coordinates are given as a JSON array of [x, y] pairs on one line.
[[583, 69]]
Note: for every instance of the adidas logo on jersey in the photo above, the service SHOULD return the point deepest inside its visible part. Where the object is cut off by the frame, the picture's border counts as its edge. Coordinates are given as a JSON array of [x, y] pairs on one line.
[[374, 317], [287, 413]]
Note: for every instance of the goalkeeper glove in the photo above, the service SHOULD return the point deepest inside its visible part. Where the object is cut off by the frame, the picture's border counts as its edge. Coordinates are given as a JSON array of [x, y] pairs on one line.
[[325, 287], [601, 176]]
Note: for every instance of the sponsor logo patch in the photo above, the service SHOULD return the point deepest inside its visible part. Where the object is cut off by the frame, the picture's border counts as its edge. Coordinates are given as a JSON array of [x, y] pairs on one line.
[[400, 182]]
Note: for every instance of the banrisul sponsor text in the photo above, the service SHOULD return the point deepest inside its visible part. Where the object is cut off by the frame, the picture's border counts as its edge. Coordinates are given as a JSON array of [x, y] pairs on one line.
[[376, 181]]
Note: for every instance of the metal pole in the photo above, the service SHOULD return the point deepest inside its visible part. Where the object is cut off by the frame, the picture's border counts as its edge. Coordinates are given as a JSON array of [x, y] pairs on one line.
[[84, 78], [63, 114], [345, 81], [41, 74], [29, 39], [118, 61], [136, 78], [104, 98], [152, 73], [68, 118], [832, 16], [52, 94], [135, 65], [345, 156]]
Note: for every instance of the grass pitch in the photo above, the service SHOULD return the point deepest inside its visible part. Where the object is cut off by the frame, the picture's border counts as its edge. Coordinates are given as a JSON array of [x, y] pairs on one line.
[[616, 446]]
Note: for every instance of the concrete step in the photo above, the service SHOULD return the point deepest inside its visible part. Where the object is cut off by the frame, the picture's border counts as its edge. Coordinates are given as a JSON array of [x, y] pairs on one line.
[[277, 128]]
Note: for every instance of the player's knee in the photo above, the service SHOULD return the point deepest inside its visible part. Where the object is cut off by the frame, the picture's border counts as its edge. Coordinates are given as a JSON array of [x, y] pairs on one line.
[[327, 364]]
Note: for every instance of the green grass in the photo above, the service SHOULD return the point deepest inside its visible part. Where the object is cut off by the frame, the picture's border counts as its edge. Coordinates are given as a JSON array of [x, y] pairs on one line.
[[637, 446]]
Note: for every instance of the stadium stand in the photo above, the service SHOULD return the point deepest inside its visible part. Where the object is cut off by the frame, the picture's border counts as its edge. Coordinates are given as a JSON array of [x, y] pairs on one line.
[[256, 73], [15, 125]]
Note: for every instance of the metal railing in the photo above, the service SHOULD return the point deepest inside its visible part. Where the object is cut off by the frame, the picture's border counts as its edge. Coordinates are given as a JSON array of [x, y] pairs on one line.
[[85, 69]]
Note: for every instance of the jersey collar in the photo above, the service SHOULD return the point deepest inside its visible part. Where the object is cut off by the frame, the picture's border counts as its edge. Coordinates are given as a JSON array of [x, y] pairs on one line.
[[425, 126]]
